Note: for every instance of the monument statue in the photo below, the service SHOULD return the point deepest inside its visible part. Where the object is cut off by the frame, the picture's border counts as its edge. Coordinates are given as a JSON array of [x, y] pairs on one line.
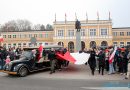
[[77, 26], [78, 36]]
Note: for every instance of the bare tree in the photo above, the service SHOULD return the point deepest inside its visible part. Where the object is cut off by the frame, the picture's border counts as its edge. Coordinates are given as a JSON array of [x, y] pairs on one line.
[[23, 25], [42, 27], [18, 25], [36, 27], [49, 27]]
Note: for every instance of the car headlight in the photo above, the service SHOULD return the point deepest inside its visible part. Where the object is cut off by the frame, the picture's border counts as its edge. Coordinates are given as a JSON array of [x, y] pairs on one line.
[[15, 68]]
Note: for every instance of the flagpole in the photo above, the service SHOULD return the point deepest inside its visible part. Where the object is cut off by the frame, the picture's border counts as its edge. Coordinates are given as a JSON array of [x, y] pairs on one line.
[[86, 17]]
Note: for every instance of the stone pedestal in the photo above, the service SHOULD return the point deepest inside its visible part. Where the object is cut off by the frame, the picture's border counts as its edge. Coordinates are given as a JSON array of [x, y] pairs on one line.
[[78, 41]]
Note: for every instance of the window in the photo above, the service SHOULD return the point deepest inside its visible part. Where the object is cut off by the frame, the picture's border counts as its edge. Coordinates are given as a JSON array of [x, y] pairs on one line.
[[121, 44], [121, 33], [104, 31], [128, 43], [9, 36], [114, 33], [24, 44], [20, 35], [25, 36], [14, 36], [46, 35], [19, 44], [60, 33], [92, 32], [4, 36], [40, 35], [9, 45], [30, 35], [29, 44], [70, 33], [14, 44], [115, 43], [35, 35], [128, 33], [82, 32]]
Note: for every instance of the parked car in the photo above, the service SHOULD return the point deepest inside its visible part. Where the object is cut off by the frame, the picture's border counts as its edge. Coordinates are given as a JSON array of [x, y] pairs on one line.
[[27, 63]]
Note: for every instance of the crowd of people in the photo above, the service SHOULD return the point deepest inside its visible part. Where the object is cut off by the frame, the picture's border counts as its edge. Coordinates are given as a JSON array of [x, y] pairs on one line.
[[99, 59], [7, 55], [106, 59]]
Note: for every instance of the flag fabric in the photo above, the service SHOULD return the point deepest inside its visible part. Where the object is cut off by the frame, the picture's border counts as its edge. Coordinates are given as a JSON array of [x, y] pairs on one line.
[[80, 58], [40, 49], [75, 58], [111, 58], [66, 57], [1, 39]]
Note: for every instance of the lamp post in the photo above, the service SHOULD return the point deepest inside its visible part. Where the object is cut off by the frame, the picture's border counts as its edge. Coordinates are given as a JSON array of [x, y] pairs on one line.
[[78, 36]]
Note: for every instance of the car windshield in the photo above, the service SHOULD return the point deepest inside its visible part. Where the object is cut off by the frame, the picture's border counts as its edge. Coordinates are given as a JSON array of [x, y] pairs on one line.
[[26, 55]]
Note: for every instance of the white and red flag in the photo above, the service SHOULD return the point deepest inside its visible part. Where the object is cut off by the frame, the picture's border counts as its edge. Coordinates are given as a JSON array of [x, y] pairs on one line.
[[75, 58], [40, 49], [1, 39], [111, 58]]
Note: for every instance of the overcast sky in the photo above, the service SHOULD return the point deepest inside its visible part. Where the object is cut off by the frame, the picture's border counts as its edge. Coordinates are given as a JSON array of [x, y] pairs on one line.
[[43, 11]]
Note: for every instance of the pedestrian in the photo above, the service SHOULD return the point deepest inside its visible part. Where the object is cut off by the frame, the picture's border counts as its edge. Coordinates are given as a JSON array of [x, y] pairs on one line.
[[101, 60], [111, 68], [124, 62], [3, 55], [92, 61], [128, 68], [52, 58], [44, 54], [107, 59], [7, 61]]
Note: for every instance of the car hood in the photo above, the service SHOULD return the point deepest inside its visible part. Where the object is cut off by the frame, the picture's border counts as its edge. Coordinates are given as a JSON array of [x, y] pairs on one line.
[[19, 60]]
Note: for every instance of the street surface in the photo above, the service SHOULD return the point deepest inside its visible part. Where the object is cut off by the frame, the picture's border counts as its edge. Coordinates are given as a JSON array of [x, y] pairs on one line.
[[72, 78]]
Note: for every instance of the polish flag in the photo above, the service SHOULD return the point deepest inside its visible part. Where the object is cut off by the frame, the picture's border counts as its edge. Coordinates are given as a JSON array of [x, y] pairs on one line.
[[1, 39], [40, 49], [111, 58], [75, 58]]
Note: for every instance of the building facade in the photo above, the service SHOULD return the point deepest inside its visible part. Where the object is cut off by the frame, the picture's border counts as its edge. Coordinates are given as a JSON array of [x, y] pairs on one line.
[[23, 38], [94, 33], [121, 36]]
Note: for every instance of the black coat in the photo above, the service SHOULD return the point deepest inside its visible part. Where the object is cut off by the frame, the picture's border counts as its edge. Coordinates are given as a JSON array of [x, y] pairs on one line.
[[92, 60], [51, 55], [101, 59]]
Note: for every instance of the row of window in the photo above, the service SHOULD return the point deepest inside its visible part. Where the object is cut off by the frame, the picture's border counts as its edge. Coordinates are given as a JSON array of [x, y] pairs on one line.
[[22, 45], [121, 44], [27, 36], [92, 32], [121, 33]]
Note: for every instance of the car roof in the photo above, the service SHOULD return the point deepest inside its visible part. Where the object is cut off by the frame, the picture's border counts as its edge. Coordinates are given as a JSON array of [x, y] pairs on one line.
[[44, 47]]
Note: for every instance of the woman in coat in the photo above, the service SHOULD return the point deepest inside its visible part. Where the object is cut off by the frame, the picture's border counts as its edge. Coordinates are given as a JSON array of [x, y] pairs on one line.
[[92, 61]]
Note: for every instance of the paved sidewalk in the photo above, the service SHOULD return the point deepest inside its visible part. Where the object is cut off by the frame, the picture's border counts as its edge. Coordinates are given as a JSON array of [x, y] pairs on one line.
[[77, 72]]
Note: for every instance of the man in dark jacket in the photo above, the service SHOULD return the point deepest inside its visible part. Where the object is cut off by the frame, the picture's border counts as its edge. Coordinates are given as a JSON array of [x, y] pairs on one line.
[[101, 60], [52, 58], [3, 54], [92, 61]]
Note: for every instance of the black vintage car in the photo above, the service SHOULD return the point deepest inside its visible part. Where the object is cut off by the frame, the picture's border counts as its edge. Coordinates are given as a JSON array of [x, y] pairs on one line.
[[25, 64]]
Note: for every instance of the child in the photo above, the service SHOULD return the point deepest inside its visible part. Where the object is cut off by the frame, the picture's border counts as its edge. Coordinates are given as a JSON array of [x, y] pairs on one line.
[[7, 61]]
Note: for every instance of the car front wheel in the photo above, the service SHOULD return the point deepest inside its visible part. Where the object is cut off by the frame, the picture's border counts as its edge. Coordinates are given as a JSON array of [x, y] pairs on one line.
[[23, 71]]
